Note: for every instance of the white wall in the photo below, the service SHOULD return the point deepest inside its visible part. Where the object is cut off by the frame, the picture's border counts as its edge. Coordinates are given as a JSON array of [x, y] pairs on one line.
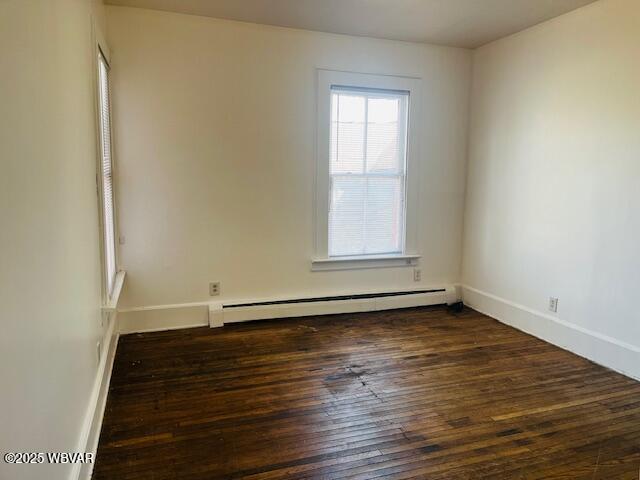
[[49, 255], [215, 125], [553, 202], [215, 143]]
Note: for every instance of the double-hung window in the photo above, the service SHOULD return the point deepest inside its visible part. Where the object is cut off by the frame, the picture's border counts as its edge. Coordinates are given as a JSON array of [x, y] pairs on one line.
[[367, 171], [364, 191], [106, 175]]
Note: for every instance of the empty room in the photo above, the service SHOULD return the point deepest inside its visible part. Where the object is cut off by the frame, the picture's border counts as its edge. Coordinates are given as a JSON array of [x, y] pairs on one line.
[[319, 239]]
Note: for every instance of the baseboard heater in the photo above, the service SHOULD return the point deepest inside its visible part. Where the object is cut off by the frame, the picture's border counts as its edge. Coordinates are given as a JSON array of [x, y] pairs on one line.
[[221, 312]]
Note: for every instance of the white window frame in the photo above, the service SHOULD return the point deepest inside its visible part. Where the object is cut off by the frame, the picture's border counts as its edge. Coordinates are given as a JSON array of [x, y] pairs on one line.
[[409, 255]]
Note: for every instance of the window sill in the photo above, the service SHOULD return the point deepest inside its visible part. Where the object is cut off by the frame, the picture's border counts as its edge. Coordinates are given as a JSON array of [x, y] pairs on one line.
[[356, 263], [112, 303]]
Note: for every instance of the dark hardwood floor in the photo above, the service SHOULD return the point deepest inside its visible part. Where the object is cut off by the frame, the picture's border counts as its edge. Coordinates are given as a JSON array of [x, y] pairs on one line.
[[417, 393]]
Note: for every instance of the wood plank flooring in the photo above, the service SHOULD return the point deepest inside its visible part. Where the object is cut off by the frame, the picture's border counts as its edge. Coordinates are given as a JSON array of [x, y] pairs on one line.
[[407, 394]]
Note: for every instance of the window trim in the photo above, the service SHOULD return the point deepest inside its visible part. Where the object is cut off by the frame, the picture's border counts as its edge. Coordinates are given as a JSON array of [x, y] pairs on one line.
[[409, 256], [364, 261]]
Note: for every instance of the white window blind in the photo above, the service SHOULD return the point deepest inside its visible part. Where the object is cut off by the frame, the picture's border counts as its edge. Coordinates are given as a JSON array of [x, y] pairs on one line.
[[106, 174], [367, 171]]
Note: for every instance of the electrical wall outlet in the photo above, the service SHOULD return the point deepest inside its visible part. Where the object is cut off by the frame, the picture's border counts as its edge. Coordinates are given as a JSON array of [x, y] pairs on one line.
[[417, 275], [214, 289], [553, 304]]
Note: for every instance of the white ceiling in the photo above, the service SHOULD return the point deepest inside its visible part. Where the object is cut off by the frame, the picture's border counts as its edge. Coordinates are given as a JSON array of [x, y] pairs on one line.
[[460, 23]]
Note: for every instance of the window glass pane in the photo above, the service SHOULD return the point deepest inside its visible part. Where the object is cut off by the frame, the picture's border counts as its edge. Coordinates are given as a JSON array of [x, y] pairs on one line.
[[384, 216], [347, 133], [383, 136], [351, 108], [346, 217]]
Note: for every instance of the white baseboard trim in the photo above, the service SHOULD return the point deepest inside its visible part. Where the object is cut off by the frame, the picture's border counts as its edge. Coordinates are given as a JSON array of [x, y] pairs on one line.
[[90, 434], [154, 318], [163, 317], [597, 347]]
